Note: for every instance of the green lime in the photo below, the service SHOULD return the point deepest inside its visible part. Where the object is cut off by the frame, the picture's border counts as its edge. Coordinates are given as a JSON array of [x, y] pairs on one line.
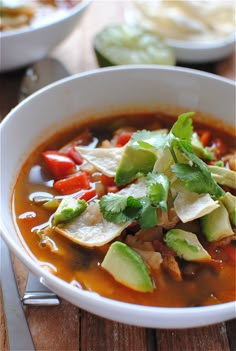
[[122, 44]]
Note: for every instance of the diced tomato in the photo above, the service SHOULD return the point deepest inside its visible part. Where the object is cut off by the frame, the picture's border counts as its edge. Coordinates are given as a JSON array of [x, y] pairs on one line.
[[230, 251], [75, 155], [88, 195], [205, 136], [72, 184], [105, 180], [112, 189], [123, 138], [109, 184], [59, 164]]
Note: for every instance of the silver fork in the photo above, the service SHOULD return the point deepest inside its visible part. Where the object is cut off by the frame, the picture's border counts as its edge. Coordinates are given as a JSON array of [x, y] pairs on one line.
[[18, 333], [40, 74]]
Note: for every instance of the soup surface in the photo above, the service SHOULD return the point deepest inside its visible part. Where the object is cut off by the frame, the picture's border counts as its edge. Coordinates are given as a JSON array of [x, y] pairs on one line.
[[128, 207]]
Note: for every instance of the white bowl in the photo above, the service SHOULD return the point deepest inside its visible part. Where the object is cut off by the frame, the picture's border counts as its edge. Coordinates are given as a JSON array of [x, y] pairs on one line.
[[25, 46], [102, 92], [198, 53], [186, 51]]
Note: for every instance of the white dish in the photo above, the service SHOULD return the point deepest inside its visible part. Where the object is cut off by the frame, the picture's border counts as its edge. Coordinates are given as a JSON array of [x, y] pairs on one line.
[[201, 47], [29, 44], [102, 92], [202, 53]]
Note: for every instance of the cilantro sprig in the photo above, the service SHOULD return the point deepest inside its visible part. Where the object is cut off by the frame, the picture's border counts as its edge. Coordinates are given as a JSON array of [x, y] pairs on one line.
[[187, 167], [118, 208], [196, 174]]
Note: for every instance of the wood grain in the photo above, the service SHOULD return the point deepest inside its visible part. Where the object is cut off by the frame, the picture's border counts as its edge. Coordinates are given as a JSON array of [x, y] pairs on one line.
[[98, 334], [212, 338]]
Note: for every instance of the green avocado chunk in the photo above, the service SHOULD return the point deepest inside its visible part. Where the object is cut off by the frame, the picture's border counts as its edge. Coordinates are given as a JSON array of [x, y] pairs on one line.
[[134, 162], [229, 201], [216, 224], [68, 209], [127, 267], [186, 245]]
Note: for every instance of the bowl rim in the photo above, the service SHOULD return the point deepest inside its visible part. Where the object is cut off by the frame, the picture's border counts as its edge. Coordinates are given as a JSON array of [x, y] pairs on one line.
[[191, 313], [214, 44], [73, 11]]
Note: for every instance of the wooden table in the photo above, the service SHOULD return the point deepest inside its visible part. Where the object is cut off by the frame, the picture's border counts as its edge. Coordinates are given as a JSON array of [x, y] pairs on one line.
[[67, 327]]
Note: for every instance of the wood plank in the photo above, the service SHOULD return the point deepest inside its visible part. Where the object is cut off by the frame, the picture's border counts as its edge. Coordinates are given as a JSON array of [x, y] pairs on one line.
[[211, 338], [54, 328], [231, 333], [99, 334], [4, 346]]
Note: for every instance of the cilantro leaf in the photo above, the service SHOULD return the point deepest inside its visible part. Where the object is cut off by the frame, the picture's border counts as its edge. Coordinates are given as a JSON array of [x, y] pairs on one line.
[[148, 215], [197, 177], [183, 129], [133, 208], [114, 203], [118, 208], [158, 189]]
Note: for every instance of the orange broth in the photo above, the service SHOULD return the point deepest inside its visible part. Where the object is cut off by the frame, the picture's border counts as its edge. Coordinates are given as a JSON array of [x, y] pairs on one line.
[[205, 286]]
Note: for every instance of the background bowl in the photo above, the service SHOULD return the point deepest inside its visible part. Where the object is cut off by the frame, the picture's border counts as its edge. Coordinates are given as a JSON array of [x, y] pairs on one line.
[[203, 52], [102, 92], [27, 45]]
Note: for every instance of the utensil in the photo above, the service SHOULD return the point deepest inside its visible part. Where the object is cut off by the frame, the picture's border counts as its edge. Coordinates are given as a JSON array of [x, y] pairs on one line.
[[19, 336], [42, 73]]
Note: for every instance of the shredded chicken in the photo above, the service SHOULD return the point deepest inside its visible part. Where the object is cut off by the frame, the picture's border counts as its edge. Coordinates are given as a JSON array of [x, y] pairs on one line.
[[167, 219], [151, 258], [225, 241], [230, 159], [106, 144], [171, 266], [149, 234], [134, 242]]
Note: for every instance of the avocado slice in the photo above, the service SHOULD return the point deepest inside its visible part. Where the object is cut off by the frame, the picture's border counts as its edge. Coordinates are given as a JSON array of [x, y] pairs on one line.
[[186, 245], [216, 225], [223, 176], [127, 267], [229, 202], [134, 162], [68, 209], [199, 149]]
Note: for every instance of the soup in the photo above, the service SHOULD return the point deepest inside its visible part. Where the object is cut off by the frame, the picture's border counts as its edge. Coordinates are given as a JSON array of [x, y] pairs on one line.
[[17, 14], [138, 208]]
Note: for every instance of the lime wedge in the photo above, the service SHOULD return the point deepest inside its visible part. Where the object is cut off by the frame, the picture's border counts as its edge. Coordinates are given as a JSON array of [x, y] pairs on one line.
[[123, 44]]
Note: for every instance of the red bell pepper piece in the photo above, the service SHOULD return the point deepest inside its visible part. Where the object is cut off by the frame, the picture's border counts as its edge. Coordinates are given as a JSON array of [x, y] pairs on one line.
[[123, 138], [72, 184], [75, 155], [112, 189], [109, 184], [88, 195], [205, 137], [59, 164], [106, 181]]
